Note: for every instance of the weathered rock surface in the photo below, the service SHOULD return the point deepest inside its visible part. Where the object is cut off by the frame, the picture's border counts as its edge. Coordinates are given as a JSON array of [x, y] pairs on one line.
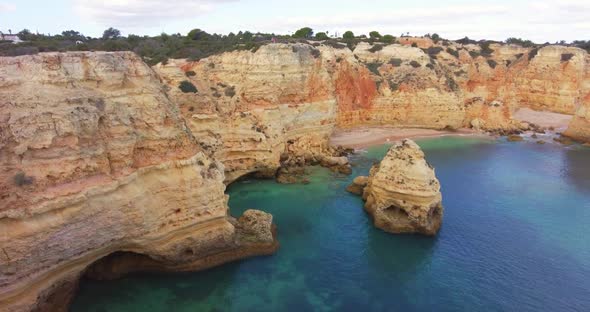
[[96, 160], [579, 128], [358, 185], [103, 158], [403, 194]]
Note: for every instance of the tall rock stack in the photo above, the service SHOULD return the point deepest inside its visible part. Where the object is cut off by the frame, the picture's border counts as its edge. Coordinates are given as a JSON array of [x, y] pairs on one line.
[[403, 194]]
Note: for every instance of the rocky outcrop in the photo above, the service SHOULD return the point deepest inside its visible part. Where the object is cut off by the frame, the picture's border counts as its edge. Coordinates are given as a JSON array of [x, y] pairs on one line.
[[105, 158], [402, 193], [579, 128], [97, 161], [315, 88], [358, 185], [253, 107]]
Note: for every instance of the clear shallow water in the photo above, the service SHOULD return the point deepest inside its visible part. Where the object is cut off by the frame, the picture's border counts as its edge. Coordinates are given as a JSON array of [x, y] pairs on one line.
[[515, 236]]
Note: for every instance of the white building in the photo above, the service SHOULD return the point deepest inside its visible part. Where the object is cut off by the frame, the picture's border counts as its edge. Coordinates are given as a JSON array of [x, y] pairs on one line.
[[10, 37]]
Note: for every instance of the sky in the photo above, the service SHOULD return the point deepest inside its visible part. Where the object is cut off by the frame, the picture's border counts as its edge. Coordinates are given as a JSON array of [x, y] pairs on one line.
[[537, 20]]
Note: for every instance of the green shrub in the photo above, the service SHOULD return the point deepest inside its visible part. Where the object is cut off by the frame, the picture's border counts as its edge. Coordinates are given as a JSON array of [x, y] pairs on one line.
[[190, 73], [304, 32], [20, 179], [348, 35], [453, 52], [315, 53], [433, 51], [395, 62], [388, 39], [474, 54], [335, 44], [492, 63], [414, 45], [435, 38], [415, 64], [430, 65], [321, 36], [374, 68], [452, 84], [374, 35], [485, 48], [187, 87], [393, 86], [230, 91], [521, 42], [375, 48]]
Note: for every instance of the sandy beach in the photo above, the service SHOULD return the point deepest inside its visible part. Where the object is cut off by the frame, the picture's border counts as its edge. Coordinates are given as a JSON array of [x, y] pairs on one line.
[[363, 137], [544, 119]]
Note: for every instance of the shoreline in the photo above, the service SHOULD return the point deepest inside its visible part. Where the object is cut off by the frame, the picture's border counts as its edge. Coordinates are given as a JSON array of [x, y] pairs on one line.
[[359, 138]]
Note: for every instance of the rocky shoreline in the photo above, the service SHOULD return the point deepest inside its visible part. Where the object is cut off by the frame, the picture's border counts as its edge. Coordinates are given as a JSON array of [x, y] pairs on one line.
[[103, 154]]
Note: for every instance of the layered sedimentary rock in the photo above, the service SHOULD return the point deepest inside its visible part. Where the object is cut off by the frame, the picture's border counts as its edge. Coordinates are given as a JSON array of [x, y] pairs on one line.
[[579, 128], [402, 192], [101, 157], [251, 108], [440, 86], [95, 160]]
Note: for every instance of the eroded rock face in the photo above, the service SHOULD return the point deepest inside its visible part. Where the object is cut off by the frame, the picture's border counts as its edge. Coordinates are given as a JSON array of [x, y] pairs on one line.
[[99, 154], [358, 185], [403, 194], [249, 105], [95, 160], [579, 128]]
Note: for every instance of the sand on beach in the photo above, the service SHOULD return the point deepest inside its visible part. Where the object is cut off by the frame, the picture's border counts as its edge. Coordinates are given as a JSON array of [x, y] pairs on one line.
[[368, 136], [543, 119]]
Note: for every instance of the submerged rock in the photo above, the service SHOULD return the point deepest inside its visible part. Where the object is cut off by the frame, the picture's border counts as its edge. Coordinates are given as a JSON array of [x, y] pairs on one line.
[[403, 193], [564, 140], [515, 138]]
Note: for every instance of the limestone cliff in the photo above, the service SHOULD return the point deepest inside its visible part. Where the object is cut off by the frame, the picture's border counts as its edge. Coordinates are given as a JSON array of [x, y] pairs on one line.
[[579, 128], [102, 156], [95, 159], [402, 193]]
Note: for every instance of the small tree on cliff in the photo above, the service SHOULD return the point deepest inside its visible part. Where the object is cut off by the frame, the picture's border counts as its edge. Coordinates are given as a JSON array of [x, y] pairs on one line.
[[348, 35], [304, 32], [321, 36], [374, 35], [111, 33], [388, 39]]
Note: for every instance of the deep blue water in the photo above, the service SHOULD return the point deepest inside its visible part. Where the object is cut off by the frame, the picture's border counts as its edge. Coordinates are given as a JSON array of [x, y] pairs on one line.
[[515, 237]]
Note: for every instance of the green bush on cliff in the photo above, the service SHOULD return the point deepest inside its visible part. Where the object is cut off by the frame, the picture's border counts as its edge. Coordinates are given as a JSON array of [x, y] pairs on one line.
[[388, 39], [415, 64], [395, 62], [453, 52], [374, 67], [348, 35], [21, 179], [187, 87], [375, 48], [321, 36]]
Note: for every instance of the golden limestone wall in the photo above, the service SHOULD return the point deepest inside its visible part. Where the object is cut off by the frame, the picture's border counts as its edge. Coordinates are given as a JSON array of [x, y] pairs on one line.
[[95, 159], [249, 106], [100, 153]]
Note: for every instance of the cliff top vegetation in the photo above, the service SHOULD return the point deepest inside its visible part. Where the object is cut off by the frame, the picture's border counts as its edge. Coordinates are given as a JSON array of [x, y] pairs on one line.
[[197, 43]]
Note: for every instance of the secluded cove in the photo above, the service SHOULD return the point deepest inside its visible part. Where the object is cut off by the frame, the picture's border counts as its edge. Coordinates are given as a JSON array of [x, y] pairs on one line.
[[514, 237]]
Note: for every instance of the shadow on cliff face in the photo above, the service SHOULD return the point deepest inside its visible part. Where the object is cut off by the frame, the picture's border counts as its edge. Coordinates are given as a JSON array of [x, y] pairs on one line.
[[577, 168]]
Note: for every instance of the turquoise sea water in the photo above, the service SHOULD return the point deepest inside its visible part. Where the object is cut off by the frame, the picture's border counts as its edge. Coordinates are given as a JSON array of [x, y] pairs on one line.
[[515, 237]]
